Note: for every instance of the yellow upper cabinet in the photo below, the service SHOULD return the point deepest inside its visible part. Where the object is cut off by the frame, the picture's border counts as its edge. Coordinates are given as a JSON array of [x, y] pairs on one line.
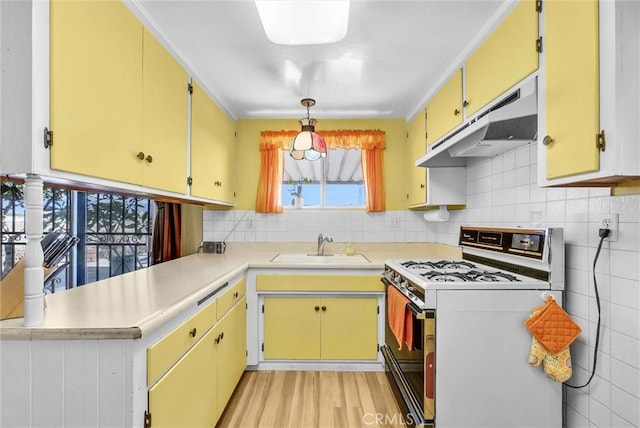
[[164, 118], [118, 98], [507, 56], [444, 110], [571, 89], [416, 147], [212, 149], [96, 89]]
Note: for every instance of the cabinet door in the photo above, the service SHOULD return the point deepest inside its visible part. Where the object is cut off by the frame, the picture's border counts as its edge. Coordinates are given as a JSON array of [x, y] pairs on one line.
[[212, 149], [164, 119], [232, 351], [572, 99], [506, 57], [416, 148], [96, 89], [186, 395], [349, 328], [444, 110], [291, 328]]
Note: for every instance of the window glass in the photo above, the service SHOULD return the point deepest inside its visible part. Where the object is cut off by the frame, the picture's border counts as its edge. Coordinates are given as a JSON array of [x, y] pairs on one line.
[[114, 232], [333, 181]]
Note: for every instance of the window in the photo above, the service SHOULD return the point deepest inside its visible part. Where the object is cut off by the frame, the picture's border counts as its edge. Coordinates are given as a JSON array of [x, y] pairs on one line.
[[114, 231], [334, 181]]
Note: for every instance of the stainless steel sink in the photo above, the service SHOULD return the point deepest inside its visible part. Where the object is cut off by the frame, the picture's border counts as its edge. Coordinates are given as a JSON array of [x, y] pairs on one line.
[[311, 258]]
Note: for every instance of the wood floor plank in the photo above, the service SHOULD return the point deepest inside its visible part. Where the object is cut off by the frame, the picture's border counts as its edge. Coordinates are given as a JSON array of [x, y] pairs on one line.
[[303, 399]]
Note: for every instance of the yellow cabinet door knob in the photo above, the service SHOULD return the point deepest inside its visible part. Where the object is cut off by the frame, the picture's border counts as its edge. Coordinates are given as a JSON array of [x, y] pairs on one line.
[[547, 140], [149, 158], [141, 155], [456, 112]]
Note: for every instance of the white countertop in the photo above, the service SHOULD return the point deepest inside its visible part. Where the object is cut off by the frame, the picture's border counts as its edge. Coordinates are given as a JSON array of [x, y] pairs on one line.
[[133, 304]]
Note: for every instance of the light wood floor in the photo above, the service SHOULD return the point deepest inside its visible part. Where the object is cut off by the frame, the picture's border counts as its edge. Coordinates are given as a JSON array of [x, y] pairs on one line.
[[312, 399]]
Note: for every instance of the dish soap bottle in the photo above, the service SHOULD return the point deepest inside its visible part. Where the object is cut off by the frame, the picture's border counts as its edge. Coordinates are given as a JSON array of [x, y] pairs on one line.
[[349, 251]]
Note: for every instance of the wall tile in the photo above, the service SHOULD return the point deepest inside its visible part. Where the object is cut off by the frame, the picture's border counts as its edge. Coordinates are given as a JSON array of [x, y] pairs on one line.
[[625, 349], [625, 377], [625, 405]]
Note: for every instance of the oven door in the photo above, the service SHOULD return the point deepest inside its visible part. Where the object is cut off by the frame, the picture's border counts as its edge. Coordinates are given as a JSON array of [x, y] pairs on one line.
[[411, 371]]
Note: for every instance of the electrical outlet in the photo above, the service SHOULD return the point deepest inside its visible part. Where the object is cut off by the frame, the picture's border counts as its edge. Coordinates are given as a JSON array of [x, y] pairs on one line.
[[251, 223], [610, 221]]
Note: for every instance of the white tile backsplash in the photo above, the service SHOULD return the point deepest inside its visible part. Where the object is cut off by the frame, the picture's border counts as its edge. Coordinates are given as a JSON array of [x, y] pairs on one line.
[[503, 191]]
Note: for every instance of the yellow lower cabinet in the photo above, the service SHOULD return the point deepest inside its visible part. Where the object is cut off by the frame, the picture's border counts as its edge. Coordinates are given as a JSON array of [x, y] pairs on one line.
[[328, 328], [349, 328], [232, 351], [187, 395], [291, 328]]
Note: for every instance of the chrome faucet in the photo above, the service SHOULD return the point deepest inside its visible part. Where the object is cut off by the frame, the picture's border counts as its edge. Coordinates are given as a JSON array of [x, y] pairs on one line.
[[321, 241]]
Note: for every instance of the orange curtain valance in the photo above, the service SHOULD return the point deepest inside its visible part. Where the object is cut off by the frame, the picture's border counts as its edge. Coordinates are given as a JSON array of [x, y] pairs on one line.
[[338, 139]]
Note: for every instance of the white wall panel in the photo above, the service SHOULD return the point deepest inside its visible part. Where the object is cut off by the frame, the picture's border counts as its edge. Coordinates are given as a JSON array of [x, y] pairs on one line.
[[81, 383], [47, 392], [15, 383], [111, 381]]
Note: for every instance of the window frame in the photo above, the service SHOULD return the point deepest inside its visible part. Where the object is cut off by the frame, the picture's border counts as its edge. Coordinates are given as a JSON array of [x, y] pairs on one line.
[[286, 190]]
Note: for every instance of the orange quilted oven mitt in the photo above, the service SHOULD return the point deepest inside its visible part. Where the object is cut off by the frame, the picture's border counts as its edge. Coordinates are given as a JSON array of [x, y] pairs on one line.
[[552, 327]]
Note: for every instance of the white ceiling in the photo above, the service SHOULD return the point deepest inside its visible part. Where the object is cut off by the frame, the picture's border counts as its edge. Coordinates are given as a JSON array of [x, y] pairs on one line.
[[393, 57]]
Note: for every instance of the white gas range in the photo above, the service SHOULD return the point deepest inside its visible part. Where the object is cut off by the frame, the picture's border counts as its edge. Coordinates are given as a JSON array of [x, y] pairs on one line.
[[468, 362]]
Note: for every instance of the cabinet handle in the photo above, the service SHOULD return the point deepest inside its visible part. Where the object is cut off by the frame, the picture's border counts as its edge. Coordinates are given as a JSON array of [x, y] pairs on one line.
[[149, 158], [456, 112], [547, 140], [235, 294], [422, 186], [193, 332], [217, 339], [222, 335], [324, 309], [217, 183], [141, 155], [317, 308], [465, 103]]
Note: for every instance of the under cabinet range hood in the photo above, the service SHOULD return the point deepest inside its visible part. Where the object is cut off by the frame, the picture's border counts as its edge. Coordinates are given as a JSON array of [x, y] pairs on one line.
[[510, 123]]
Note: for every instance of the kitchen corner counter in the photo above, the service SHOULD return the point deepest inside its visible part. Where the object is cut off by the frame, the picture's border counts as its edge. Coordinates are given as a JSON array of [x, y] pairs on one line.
[[130, 306]]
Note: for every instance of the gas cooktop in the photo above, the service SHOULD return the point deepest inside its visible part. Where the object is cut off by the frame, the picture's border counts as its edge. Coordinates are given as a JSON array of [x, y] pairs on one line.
[[452, 274]]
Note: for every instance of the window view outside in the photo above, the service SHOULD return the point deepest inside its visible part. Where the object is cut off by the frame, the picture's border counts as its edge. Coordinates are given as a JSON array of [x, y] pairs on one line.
[[114, 231], [334, 181]]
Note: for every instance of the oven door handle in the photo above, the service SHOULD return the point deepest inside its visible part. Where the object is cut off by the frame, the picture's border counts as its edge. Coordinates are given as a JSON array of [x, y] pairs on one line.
[[415, 310]]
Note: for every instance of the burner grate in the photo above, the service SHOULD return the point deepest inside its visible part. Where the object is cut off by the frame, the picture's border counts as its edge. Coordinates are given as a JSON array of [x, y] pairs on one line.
[[441, 264], [469, 276]]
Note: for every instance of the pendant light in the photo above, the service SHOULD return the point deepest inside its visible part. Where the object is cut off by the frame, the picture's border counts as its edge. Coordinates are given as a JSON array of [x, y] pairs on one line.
[[308, 144]]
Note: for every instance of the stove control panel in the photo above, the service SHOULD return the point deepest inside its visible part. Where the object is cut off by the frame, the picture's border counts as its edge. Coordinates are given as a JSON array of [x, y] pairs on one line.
[[528, 243]]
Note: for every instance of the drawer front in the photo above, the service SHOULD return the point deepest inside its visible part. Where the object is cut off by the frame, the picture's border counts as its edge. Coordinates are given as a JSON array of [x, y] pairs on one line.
[[164, 352], [319, 283], [230, 297]]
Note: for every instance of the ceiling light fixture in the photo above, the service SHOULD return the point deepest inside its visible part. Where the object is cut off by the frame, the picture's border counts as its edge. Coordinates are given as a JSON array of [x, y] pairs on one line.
[[308, 22], [308, 144]]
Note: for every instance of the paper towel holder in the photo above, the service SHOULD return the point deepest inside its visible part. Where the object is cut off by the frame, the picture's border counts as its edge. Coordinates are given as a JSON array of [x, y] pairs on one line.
[[442, 214]]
